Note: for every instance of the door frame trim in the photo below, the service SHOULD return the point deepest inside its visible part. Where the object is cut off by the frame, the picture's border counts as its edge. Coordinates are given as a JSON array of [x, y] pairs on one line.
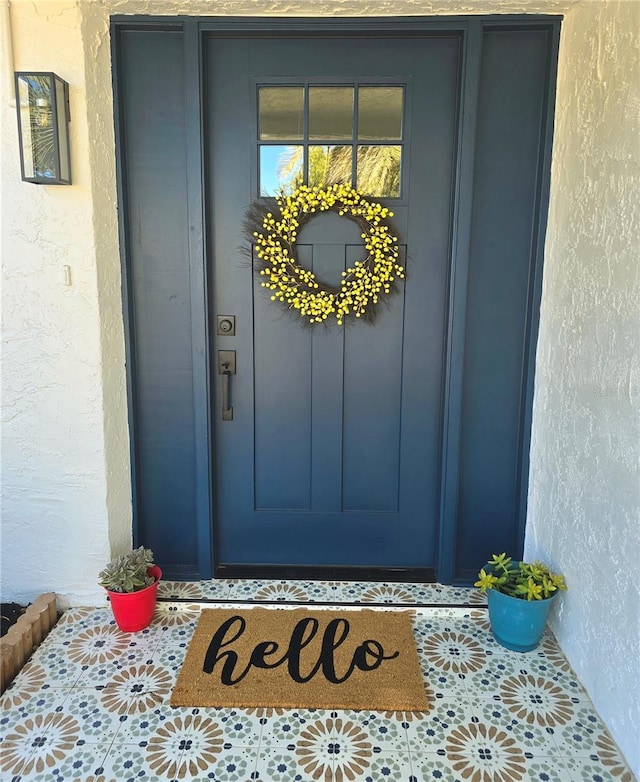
[[470, 30]]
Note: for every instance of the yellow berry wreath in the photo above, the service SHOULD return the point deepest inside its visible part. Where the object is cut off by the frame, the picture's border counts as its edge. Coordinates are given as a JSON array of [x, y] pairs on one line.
[[299, 289]]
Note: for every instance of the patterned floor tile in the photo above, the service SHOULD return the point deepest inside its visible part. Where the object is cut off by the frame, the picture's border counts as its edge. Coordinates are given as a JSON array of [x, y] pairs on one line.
[[247, 588], [535, 738], [60, 670], [431, 767], [138, 688], [476, 750], [83, 764], [451, 648], [546, 769], [278, 591], [427, 622], [583, 769], [338, 741], [132, 762], [514, 767], [181, 747], [169, 615], [553, 666], [176, 636], [281, 727], [240, 727], [263, 590], [386, 731], [139, 725], [278, 764], [76, 619], [579, 735], [185, 590], [342, 591], [426, 734], [442, 684], [497, 715], [337, 747], [80, 765], [13, 714], [449, 657], [537, 700], [216, 589], [102, 674], [610, 758], [498, 667], [295, 591], [39, 743], [388, 594], [231, 764], [98, 722], [171, 658], [383, 767], [440, 593], [27, 691], [96, 631], [103, 643], [205, 738]]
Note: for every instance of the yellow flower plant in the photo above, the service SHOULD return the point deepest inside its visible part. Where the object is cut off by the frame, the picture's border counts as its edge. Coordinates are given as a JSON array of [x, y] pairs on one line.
[[297, 288], [519, 579]]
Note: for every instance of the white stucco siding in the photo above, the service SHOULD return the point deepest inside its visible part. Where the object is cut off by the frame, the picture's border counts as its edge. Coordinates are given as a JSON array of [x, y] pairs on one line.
[[584, 494], [55, 527], [66, 494], [65, 436]]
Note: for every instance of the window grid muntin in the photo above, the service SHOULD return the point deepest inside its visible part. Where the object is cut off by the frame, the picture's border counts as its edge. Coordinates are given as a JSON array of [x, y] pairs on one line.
[[306, 142]]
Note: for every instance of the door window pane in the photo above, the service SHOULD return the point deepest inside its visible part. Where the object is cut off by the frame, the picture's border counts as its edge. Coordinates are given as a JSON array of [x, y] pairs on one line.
[[331, 113], [380, 111], [281, 169], [281, 113], [329, 164], [379, 168]]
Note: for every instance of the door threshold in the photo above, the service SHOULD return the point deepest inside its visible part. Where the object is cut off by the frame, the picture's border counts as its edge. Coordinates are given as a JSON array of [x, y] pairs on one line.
[[328, 573], [323, 605]]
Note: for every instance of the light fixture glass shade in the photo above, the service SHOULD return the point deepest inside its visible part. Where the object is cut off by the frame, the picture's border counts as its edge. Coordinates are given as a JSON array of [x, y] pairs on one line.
[[42, 101]]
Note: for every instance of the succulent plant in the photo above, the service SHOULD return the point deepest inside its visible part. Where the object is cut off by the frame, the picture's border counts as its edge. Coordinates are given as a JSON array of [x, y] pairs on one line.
[[519, 579], [128, 573]]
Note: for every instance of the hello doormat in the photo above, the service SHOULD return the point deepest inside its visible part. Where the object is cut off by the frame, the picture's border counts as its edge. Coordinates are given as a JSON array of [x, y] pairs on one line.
[[262, 657]]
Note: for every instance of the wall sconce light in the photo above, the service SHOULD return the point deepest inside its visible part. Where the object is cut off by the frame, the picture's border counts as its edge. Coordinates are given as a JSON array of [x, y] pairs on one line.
[[42, 101]]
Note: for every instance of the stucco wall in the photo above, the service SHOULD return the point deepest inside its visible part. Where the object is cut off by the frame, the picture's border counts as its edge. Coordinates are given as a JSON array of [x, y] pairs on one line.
[[65, 459], [584, 494], [56, 476]]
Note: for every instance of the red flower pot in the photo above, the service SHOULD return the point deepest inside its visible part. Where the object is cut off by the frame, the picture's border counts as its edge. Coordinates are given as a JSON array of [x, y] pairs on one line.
[[133, 611]]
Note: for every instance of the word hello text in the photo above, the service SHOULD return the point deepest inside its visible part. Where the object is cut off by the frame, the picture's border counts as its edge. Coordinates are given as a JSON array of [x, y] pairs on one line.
[[368, 656]]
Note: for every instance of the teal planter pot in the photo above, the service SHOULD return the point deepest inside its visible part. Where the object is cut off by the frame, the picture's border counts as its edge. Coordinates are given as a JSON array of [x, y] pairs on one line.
[[517, 624]]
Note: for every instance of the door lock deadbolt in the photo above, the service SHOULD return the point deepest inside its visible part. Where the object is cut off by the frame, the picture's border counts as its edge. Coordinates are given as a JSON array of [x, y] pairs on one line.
[[226, 325]]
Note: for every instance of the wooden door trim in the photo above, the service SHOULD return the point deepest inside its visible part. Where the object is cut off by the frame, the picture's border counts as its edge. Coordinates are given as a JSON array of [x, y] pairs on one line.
[[457, 311]]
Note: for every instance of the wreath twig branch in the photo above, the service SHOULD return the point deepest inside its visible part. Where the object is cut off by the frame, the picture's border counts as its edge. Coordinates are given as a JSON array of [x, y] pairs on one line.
[[274, 228]]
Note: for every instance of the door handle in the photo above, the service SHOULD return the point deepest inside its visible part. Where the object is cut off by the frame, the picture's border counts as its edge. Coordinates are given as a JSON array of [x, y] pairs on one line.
[[226, 368]]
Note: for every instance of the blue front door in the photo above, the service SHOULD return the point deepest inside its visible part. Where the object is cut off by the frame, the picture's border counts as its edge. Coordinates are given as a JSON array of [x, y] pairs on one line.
[[332, 458], [400, 446]]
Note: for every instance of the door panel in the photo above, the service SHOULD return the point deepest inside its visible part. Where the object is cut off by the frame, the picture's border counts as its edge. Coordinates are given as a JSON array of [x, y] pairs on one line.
[[503, 234], [372, 401], [160, 337], [332, 459]]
